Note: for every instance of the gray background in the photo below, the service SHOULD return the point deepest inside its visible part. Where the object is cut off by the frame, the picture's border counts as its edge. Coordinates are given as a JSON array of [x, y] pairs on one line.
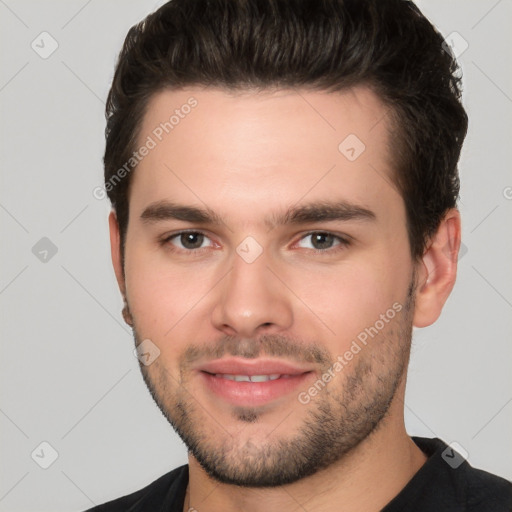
[[68, 374]]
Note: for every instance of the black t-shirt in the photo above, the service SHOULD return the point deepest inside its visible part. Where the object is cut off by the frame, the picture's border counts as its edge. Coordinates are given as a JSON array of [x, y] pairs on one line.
[[443, 484]]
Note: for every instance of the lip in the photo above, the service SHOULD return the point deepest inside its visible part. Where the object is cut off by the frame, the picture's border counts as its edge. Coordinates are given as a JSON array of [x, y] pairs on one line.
[[239, 366], [252, 394]]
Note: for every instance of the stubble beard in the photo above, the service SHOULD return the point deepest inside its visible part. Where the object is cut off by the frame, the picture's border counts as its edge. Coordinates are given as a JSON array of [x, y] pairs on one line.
[[343, 414]]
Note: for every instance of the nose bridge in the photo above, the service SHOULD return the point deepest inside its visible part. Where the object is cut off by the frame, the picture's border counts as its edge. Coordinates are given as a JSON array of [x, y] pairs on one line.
[[251, 296]]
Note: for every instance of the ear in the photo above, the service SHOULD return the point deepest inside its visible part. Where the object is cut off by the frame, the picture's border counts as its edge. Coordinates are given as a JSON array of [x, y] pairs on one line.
[[437, 270], [115, 251], [117, 262]]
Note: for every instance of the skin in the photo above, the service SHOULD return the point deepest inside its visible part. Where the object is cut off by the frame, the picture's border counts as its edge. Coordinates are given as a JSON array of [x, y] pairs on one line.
[[247, 156]]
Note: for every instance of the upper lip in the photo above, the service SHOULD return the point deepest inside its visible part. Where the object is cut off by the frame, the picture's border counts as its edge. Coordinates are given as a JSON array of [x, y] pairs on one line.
[[240, 366]]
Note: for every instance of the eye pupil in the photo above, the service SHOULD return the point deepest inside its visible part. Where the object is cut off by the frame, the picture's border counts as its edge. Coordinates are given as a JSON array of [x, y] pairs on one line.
[[192, 240], [322, 240]]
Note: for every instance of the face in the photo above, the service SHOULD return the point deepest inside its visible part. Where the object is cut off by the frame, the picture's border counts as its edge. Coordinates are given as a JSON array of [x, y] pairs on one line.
[[267, 258]]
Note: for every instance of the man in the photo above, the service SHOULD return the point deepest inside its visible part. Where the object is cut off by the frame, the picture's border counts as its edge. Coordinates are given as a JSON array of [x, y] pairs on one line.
[[283, 175]]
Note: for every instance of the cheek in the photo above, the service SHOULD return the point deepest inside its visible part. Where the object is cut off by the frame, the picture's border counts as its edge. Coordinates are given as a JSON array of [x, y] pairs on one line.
[[331, 303], [161, 295], [349, 298]]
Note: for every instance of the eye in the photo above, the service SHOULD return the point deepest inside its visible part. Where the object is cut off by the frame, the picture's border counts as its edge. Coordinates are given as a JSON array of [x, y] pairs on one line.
[[189, 240], [322, 241]]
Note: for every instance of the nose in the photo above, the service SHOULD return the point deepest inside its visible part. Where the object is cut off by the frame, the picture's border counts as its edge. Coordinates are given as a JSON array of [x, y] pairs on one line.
[[251, 300]]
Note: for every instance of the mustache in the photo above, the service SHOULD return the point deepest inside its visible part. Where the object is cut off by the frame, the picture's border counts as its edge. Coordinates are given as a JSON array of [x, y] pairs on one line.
[[265, 345]]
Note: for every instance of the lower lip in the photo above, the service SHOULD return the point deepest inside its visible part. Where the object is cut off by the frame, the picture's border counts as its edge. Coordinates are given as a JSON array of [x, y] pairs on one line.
[[253, 393]]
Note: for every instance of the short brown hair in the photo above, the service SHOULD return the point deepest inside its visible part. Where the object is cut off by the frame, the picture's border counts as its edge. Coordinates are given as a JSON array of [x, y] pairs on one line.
[[327, 45]]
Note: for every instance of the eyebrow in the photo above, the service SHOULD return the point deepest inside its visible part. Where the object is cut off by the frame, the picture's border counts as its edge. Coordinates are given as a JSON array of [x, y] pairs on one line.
[[165, 210], [312, 212], [322, 211]]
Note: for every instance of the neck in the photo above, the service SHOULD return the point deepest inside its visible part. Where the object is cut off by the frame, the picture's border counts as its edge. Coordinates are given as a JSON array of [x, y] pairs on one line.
[[365, 479]]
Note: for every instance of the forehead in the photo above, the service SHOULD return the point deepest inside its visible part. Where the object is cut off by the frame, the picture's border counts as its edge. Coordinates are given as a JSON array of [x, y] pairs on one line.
[[232, 117], [264, 147]]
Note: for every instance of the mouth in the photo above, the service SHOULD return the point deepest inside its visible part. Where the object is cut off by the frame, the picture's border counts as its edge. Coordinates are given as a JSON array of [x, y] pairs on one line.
[[251, 378], [252, 383]]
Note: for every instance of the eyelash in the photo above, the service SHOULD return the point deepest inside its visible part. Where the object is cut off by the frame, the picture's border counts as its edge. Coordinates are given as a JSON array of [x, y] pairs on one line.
[[342, 245], [343, 242]]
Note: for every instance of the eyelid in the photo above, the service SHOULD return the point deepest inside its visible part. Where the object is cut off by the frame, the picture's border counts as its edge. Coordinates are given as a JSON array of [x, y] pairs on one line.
[[166, 239], [344, 240]]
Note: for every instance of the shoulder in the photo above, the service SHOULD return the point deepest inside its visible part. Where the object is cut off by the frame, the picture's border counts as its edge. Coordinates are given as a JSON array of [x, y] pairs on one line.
[[486, 492], [453, 480], [163, 491]]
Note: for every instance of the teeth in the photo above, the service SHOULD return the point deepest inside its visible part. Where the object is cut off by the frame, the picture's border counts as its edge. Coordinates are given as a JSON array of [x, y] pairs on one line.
[[249, 378], [264, 378], [241, 378]]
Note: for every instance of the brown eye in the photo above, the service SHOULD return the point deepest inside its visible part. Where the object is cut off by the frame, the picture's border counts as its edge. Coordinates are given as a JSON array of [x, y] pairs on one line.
[[189, 240], [322, 241]]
